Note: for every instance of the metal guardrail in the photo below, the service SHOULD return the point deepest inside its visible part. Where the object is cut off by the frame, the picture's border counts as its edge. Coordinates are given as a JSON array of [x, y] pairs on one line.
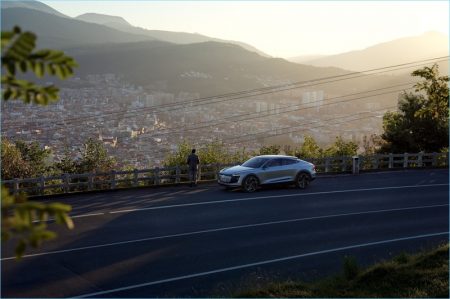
[[67, 183]]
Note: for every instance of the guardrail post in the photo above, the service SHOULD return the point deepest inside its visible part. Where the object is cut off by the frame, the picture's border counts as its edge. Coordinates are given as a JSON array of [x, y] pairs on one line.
[[420, 160], [434, 161], [41, 185], [405, 160], [156, 176], [327, 165], [90, 181], [135, 178], [343, 166], [391, 160], [66, 182], [177, 174], [16, 187], [113, 181], [376, 163], [355, 164]]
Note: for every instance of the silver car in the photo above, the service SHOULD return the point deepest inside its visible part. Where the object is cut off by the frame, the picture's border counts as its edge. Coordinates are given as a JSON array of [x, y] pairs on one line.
[[268, 169]]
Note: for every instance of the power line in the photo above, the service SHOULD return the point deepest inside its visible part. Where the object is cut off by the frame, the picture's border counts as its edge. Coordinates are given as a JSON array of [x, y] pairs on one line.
[[249, 93], [267, 113], [304, 126]]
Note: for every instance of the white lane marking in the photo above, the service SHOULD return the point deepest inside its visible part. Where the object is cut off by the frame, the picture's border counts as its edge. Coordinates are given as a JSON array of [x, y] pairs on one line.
[[87, 215], [230, 228], [272, 196], [265, 262]]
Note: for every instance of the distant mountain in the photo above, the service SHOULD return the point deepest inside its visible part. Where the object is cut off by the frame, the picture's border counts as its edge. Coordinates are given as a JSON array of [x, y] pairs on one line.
[[305, 58], [174, 37], [403, 50], [31, 4], [60, 32], [208, 68], [107, 20]]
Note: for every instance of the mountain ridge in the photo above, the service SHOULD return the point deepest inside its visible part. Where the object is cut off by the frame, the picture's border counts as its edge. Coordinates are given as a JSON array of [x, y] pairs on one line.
[[403, 50]]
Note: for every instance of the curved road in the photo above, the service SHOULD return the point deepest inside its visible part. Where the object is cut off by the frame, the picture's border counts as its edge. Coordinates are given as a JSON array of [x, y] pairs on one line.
[[204, 241]]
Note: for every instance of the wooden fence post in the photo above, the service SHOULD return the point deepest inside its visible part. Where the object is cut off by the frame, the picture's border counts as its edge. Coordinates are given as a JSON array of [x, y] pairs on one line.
[[344, 166], [135, 178], [177, 174], [156, 176], [391, 160], [90, 181], [327, 165], [434, 163], [405, 160], [420, 160], [199, 172], [376, 163], [41, 185], [113, 181], [16, 187], [66, 182]]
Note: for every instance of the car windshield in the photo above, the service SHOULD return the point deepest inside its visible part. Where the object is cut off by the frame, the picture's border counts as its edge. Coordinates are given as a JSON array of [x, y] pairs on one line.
[[255, 162]]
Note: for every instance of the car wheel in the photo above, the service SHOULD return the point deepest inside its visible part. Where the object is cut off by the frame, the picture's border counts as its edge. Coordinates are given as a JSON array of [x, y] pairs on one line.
[[302, 180], [250, 184]]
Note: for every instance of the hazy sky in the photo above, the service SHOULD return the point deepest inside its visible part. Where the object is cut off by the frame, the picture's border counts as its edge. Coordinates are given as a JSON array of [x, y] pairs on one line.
[[282, 28]]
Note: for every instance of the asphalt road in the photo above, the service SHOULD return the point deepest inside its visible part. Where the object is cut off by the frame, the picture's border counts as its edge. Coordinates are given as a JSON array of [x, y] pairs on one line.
[[204, 241]]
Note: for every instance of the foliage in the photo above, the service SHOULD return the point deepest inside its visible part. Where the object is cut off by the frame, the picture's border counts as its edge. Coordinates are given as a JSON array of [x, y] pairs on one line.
[[18, 55], [421, 124], [270, 150], [423, 275], [95, 158], [66, 164], [372, 144], [309, 149], [341, 148], [35, 156], [13, 164], [18, 216], [212, 153]]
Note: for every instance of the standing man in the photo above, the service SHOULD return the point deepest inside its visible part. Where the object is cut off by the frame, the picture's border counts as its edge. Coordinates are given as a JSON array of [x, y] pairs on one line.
[[193, 162]]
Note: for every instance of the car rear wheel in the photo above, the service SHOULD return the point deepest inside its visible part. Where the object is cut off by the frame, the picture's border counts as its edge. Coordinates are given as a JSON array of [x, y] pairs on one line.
[[250, 184], [302, 180]]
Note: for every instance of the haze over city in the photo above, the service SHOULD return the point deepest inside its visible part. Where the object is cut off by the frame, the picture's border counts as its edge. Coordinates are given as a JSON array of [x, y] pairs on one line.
[[280, 28]]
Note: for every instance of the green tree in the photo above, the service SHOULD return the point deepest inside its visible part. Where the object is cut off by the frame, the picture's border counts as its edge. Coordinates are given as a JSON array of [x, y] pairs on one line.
[[35, 156], [309, 149], [66, 164], [13, 164], [19, 55], [273, 149], [95, 158], [421, 123], [341, 148]]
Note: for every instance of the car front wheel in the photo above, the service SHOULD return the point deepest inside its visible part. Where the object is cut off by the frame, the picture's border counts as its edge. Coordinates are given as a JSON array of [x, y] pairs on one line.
[[250, 184], [302, 180]]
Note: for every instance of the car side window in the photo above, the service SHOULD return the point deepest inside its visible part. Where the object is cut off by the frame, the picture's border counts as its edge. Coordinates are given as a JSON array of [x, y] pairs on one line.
[[274, 163], [289, 161]]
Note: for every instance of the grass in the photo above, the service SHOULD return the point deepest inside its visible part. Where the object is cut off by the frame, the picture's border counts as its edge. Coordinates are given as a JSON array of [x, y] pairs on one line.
[[421, 275]]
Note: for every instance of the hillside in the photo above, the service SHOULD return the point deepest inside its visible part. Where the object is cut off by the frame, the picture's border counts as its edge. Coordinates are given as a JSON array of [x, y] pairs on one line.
[[208, 67], [31, 4], [173, 37], [408, 49], [59, 32]]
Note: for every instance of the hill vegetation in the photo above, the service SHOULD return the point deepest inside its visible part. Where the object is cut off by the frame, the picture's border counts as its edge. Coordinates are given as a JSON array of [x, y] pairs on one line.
[[423, 275]]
